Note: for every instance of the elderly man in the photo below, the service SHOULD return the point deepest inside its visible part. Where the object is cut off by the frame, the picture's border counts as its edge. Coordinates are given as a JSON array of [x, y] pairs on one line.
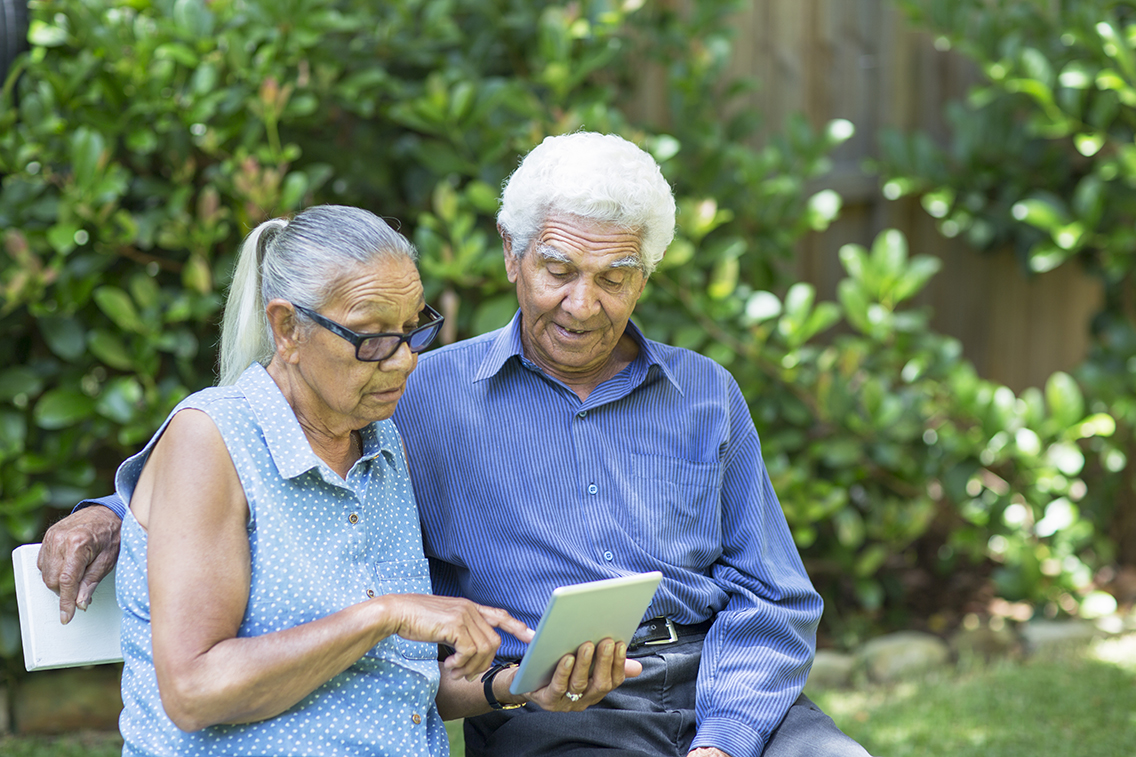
[[568, 447]]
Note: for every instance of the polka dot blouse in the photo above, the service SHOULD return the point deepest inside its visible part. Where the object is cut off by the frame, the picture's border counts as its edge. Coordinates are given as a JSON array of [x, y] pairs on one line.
[[318, 544]]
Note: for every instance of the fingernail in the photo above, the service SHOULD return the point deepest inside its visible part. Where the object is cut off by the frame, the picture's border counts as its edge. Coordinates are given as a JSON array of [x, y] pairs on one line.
[[82, 604], [63, 618]]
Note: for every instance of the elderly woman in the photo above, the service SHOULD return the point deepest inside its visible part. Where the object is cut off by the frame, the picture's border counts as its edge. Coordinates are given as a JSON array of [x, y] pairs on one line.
[[274, 592]]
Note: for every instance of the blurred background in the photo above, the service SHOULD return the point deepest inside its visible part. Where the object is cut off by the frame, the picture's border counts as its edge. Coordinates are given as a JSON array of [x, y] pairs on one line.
[[907, 227]]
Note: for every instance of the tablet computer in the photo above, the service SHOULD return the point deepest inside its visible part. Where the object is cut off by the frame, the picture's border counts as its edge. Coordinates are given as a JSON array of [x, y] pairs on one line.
[[592, 611]]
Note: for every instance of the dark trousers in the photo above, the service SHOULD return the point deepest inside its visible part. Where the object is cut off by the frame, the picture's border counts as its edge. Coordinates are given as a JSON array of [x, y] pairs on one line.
[[648, 716]]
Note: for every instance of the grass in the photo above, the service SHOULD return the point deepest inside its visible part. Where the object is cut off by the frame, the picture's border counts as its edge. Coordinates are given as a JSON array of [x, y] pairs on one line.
[[1080, 703], [1074, 703], [85, 744]]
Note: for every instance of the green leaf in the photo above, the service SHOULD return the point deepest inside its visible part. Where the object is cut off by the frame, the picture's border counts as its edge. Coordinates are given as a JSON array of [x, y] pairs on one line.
[[1078, 74], [854, 259], [145, 291], [60, 408], [120, 399], [723, 278], [17, 381], [1063, 395], [1045, 213], [194, 18], [1098, 424], [42, 34], [761, 306], [61, 237], [13, 433], [918, 272], [196, 276], [87, 148], [850, 530], [822, 209], [118, 306], [109, 348], [65, 336]]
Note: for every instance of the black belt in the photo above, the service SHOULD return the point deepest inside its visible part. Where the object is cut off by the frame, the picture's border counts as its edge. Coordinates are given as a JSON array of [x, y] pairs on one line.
[[658, 631]]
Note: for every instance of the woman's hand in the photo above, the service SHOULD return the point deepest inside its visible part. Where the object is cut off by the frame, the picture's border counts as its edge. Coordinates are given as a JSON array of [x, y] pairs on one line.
[[588, 675], [465, 626]]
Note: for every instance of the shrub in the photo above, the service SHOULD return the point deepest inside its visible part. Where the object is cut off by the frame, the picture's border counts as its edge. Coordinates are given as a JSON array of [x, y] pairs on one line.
[[1042, 160], [140, 141]]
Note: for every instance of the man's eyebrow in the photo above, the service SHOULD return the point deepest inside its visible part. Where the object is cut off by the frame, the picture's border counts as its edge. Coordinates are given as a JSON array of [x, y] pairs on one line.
[[548, 252]]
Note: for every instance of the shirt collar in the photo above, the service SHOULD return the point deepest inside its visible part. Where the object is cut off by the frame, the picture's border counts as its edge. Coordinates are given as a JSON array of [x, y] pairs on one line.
[[287, 445], [507, 344]]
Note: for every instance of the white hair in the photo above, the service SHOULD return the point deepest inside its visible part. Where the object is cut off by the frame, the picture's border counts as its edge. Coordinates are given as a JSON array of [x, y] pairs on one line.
[[300, 261], [599, 177]]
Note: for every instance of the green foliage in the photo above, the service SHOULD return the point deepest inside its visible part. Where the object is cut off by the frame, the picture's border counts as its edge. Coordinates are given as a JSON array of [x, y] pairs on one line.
[[1042, 158], [1043, 151], [139, 142], [896, 465]]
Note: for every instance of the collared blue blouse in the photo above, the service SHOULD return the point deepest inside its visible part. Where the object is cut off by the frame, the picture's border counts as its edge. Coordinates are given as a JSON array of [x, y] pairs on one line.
[[319, 543]]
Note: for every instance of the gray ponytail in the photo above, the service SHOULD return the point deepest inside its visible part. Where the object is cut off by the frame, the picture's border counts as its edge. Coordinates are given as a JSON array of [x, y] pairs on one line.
[[300, 261]]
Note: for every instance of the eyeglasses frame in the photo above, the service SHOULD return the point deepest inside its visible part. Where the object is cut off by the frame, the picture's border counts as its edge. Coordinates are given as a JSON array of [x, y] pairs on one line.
[[357, 339]]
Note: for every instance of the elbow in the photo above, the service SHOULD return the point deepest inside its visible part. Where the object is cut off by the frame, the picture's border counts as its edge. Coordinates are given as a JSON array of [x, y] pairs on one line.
[[187, 703], [184, 718]]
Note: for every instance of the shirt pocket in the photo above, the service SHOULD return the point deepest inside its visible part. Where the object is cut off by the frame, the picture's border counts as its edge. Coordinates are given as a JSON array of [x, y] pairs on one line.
[[674, 509], [407, 577]]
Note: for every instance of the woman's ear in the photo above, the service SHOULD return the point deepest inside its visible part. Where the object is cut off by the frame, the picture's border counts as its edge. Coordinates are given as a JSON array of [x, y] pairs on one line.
[[285, 329]]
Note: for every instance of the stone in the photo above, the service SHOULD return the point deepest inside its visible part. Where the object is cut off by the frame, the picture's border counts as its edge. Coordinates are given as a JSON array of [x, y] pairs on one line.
[[903, 655], [831, 670], [985, 644], [1048, 635], [73, 699]]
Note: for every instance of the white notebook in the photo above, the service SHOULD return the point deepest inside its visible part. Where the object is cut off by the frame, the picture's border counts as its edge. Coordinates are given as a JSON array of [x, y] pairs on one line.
[[92, 636]]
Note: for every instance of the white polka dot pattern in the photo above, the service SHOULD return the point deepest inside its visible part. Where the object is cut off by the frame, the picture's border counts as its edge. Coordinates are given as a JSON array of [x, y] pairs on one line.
[[318, 544]]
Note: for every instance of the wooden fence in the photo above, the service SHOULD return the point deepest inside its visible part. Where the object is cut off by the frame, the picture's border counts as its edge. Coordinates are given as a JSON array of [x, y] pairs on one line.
[[862, 61]]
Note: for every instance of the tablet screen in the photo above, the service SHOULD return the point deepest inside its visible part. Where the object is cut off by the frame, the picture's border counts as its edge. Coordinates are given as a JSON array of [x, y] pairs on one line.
[[592, 611]]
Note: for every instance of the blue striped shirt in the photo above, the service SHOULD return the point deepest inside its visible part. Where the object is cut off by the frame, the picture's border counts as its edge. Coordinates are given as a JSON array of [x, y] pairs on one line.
[[523, 487]]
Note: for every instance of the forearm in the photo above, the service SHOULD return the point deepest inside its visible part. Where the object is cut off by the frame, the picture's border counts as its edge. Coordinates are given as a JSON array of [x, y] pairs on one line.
[[248, 679], [459, 698], [755, 662]]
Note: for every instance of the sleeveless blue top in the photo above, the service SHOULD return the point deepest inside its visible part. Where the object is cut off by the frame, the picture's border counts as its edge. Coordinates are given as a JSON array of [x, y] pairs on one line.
[[318, 544]]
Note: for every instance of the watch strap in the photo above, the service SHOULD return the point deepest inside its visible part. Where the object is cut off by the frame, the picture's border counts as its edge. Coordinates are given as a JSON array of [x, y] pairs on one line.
[[487, 680]]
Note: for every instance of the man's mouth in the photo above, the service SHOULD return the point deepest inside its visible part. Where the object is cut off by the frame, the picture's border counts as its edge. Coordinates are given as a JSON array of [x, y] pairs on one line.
[[573, 331]]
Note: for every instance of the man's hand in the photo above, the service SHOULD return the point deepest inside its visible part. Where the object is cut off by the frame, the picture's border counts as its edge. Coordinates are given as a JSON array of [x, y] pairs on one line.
[[77, 553], [707, 751], [588, 675]]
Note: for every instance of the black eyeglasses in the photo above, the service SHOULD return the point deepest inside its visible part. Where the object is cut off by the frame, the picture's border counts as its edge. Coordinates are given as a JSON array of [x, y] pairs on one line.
[[374, 348]]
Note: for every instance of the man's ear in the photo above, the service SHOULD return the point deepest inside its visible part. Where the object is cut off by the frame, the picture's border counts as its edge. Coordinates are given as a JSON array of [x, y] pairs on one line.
[[512, 264], [285, 329]]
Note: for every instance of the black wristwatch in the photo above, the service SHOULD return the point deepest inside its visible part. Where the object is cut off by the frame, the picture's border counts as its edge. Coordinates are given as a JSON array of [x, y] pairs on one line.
[[487, 679]]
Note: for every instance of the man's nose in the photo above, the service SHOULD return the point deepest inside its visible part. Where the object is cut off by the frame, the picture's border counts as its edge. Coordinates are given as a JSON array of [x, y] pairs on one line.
[[582, 300]]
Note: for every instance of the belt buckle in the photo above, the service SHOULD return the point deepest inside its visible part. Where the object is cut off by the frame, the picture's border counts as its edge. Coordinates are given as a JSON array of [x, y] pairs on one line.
[[673, 635]]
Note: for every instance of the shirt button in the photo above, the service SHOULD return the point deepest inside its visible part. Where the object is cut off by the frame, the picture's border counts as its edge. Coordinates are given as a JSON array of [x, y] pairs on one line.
[[582, 414], [609, 556], [371, 593], [416, 718], [353, 518], [592, 488]]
